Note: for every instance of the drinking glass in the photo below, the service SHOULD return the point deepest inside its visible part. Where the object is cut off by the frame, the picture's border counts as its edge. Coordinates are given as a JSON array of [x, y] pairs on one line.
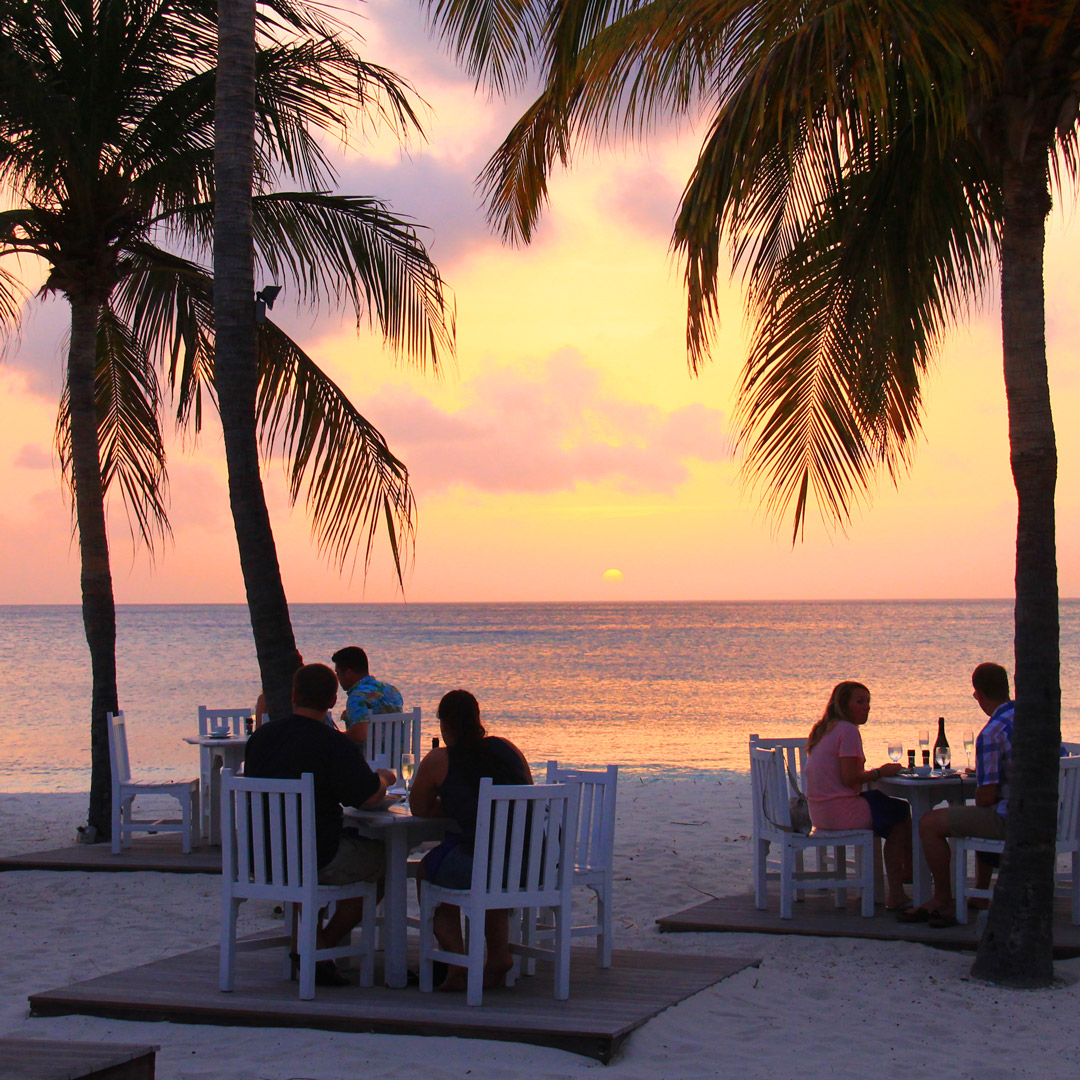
[[942, 758], [924, 742], [408, 767], [896, 751], [969, 745]]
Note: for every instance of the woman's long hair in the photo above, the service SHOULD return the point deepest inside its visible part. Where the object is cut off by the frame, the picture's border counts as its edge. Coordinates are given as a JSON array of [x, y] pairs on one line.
[[835, 710], [459, 714]]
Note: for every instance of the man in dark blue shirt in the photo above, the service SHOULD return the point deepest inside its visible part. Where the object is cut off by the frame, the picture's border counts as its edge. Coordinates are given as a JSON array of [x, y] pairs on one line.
[[301, 743]]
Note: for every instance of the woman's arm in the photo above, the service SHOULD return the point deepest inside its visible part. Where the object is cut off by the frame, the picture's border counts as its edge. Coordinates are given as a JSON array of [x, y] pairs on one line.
[[854, 775], [430, 774]]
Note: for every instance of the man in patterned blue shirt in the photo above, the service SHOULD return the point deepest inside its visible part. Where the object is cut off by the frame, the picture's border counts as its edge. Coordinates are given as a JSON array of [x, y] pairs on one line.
[[366, 695], [993, 766]]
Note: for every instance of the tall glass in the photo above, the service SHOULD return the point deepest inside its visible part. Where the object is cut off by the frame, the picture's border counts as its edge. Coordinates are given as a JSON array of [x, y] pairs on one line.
[[924, 743], [969, 745], [408, 767]]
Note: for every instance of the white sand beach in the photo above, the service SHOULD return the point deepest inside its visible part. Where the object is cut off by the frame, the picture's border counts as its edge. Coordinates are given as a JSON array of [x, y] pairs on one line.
[[813, 1008]]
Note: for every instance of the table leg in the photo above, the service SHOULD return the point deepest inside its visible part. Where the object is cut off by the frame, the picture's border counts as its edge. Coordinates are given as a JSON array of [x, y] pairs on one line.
[[395, 908], [216, 764], [922, 884]]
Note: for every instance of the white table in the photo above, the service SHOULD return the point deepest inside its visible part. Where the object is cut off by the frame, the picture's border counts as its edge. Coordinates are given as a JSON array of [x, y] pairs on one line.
[[399, 832], [215, 754], [924, 795]]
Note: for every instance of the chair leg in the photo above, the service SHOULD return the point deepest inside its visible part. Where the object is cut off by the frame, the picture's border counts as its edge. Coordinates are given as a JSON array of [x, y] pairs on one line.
[[1075, 883], [474, 992], [840, 895], [227, 961], [563, 922], [305, 942], [864, 855], [761, 859], [603, 921], [367, 938], [427, 939], [960, 880], [117, 803], [787, 866]]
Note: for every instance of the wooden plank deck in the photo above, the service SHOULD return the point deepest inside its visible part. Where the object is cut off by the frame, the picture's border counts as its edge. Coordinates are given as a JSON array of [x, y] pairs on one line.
[[46, 1059], [158, 852], [817, 917], [605, 1006]]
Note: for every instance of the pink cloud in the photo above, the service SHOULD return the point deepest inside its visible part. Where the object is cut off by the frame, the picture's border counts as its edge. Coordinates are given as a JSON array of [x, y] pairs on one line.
[[547, 429]]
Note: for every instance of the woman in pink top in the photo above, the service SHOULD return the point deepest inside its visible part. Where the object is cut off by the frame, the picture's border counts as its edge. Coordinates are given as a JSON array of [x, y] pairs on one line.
[[835, 774]]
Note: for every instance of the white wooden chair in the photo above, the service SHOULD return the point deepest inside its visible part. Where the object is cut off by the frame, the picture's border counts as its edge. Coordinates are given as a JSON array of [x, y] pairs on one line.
[[594, 850], [389, 735], [268, 852], [522, 859], [125, 790], [215, 722], [1068, 843], [222, 721], [772, 826]]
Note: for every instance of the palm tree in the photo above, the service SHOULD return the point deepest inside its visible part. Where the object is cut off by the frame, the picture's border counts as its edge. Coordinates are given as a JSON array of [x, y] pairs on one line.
[[868, 165], [106, 153]]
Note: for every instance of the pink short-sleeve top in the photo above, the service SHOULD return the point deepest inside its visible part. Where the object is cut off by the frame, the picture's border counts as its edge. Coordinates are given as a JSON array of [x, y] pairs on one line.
[[834, 805]]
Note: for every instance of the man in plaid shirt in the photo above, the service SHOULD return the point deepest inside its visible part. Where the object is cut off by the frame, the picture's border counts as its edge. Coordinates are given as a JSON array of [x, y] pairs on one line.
[[993, 765]]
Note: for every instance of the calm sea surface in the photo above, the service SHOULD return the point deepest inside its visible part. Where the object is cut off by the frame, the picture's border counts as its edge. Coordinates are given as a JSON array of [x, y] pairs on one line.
[[662, 689]]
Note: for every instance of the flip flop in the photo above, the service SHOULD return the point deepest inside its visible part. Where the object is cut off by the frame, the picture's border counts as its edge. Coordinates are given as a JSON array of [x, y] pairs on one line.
[[914, 915], [940, 921], [896, 909]]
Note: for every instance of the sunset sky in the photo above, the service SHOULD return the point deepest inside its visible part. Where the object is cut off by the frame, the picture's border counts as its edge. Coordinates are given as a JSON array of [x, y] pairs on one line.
[[569, 438]]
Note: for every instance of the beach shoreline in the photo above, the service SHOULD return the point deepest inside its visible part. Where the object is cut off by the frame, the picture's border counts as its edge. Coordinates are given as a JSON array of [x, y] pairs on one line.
[[812, 1006]]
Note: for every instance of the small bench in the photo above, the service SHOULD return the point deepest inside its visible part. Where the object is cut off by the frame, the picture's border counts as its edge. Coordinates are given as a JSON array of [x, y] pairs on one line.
[[47, 1059]]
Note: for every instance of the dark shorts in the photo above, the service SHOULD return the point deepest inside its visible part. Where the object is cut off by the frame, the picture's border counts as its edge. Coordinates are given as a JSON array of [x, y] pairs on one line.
[[450, 864], [885, 811]]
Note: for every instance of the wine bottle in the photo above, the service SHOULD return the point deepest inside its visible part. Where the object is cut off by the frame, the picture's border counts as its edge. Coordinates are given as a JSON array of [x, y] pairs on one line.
[[940, 743]]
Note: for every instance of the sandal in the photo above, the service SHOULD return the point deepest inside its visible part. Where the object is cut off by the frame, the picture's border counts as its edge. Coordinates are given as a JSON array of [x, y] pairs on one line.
[[915, 915], [940, 921]]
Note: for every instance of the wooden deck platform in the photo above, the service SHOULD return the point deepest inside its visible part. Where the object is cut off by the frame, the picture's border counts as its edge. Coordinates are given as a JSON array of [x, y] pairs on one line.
[[817, 917], [158, 852], [47, 1059], [604, 1006]]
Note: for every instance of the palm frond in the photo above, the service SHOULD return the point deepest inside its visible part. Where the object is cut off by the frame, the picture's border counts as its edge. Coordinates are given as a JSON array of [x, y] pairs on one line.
[[351, 481], [132, 451]]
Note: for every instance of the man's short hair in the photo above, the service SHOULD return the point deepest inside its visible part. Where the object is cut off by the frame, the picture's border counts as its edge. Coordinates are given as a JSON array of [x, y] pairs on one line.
[[992, 681], [314, 686], [352, 657]]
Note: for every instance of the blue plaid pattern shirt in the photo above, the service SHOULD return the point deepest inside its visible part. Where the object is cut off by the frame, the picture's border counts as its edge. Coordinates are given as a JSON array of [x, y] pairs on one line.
[[993, 753]]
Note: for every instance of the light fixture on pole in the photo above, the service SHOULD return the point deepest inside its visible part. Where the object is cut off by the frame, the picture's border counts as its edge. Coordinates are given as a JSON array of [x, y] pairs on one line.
[[264, 299]]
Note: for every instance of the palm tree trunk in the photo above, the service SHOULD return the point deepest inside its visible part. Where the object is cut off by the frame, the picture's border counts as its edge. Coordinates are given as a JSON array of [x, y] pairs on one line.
[[1016, 949], [98, 607], [236, 363]]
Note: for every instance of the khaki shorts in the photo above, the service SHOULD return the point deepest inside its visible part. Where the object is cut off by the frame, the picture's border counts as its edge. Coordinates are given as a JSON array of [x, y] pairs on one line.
[[981, 821], [357, 859]]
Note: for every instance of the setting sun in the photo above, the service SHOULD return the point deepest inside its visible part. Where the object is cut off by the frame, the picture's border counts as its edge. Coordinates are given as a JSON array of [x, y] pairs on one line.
[[613, 575]]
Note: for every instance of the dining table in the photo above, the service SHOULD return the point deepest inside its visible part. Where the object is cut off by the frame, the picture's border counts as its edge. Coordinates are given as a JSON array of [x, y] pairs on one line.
[[217, 752], [399, 832], [924, 793]]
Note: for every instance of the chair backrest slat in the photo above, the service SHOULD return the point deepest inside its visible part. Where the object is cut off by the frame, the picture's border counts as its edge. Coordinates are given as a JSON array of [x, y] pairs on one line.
[[596, 819], [521, 833], [230, 720], [118, 749], [794, 751], [269, 832], [389, 735], [1068, 800]]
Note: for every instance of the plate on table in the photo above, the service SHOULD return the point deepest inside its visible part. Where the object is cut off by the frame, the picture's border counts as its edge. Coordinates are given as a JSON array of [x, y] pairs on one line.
[[948, 774], [219, 735]]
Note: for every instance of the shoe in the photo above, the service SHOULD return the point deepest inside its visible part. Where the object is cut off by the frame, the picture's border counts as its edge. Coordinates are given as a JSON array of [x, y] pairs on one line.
[[914, 915], [895, 910], [940, 921], [327, 973]]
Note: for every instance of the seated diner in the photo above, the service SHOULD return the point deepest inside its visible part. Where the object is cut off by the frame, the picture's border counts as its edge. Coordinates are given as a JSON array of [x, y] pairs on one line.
[[447, 785], [835, 774]]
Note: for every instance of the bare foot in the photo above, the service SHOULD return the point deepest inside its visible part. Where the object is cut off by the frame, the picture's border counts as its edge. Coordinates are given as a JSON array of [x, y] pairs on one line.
[[455, 981], [495, 974]]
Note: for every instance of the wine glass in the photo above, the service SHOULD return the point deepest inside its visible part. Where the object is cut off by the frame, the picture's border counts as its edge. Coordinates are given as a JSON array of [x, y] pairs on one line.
[[969, 745], [408, 767], [942, 758], [896, 751]]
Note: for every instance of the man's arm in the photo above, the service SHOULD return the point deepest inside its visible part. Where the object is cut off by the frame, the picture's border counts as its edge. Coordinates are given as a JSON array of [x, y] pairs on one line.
[[986, 795], [358, 731], [386, 779]]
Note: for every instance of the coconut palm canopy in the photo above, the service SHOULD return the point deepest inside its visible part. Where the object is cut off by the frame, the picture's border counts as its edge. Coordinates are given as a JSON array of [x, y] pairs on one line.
[[107, 160], [868, 166], [106, 150]]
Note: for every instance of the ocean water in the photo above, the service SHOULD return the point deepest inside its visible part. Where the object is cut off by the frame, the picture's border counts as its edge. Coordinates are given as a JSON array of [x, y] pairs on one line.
[[664, 689]]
